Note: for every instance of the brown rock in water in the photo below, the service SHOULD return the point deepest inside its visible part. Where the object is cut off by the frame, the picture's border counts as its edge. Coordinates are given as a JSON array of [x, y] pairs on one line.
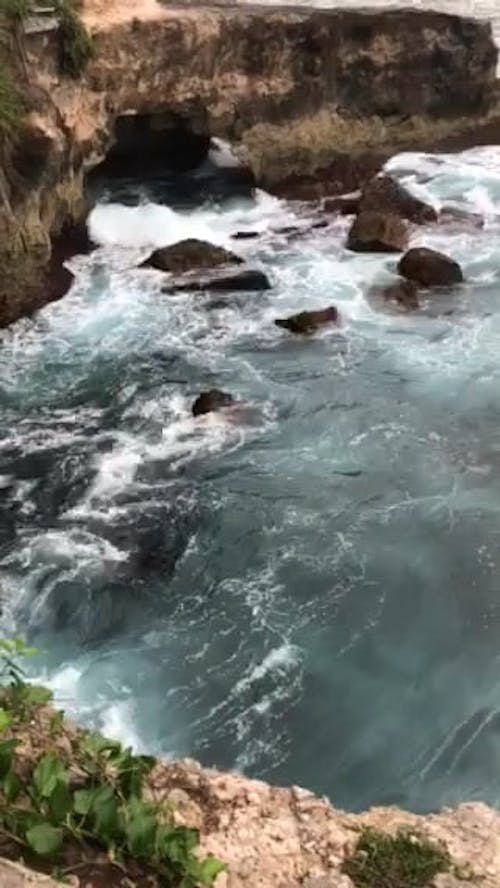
[[403, 294], [378, 233], [221, 282], [245, 235], [383, 194], [190, 254], [307, 322], [429, 268], [345, 204], [211, 400]]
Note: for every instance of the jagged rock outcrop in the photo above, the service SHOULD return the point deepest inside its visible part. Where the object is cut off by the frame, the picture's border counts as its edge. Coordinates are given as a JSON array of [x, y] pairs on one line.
[[299, 91]]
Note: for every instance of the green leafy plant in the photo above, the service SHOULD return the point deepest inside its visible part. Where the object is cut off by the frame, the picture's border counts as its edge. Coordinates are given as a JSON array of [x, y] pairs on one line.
[[401, 861], [67, 802], [75, 43]]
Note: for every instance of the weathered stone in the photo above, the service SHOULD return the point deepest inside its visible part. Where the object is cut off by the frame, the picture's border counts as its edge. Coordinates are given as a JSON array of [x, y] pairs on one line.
[[429, 268], [307, 322], [383, 194], [190, 254], [378, 233], [247, 279], [210, 401]]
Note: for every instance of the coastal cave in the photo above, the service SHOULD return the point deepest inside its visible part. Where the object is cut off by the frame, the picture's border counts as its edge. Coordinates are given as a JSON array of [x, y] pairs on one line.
[[161, 140]]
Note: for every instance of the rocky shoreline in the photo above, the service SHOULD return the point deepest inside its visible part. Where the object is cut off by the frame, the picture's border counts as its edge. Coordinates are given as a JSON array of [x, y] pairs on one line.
[[267, 836], [312, 110]]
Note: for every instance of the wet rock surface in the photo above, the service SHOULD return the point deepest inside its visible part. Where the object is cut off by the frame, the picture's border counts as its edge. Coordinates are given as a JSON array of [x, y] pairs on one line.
[[188, 255], [430, 268], [248, 279], [307, 322], [384, 195], [378, 233], [211, 401]]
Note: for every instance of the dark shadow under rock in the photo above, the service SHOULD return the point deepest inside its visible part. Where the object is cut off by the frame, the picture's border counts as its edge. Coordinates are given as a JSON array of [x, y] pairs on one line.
[[345, 204], [307, 322], [378, 233], [210, 401], [383, 194], [429, 268], [190, 254], [248, 279]]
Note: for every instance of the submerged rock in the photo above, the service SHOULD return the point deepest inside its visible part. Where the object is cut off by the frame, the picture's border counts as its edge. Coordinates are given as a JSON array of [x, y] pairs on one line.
[[403, 294], [221, 282], [190, 254], [383, 194], [307, 322], [458, 218], [378, 233], [210, 401], [429, 268]]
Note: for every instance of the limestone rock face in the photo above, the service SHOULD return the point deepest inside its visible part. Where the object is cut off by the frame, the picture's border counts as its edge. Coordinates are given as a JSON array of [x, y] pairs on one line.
[[279, 838]]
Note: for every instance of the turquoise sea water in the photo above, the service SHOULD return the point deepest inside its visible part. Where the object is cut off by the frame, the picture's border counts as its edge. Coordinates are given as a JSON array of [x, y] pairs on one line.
[[308, 591]]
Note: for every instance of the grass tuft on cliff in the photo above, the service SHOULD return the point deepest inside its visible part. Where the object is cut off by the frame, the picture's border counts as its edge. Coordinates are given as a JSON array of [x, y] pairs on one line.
[[11, 102], [75, 43], [73, 801], [401, 861]]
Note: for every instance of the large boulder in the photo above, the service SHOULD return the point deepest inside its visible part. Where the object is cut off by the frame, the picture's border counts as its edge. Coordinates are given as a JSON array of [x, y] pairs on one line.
[[190, 254], [378, 233], [429, 268], [383, 194], [211, 400], [307, 322], [224, 281]]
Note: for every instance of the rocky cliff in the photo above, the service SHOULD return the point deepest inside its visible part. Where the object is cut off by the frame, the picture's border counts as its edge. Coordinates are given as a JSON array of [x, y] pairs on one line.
[[296, 90]]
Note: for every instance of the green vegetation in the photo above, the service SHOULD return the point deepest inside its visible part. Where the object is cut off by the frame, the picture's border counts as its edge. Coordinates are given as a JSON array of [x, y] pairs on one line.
[[11, 101], [401, 861], [75, 43], [71, 799]]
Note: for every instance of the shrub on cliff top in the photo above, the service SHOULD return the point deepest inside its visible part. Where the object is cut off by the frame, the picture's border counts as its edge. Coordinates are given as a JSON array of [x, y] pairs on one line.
[[75, 43], [401, 861], [72, 800]]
